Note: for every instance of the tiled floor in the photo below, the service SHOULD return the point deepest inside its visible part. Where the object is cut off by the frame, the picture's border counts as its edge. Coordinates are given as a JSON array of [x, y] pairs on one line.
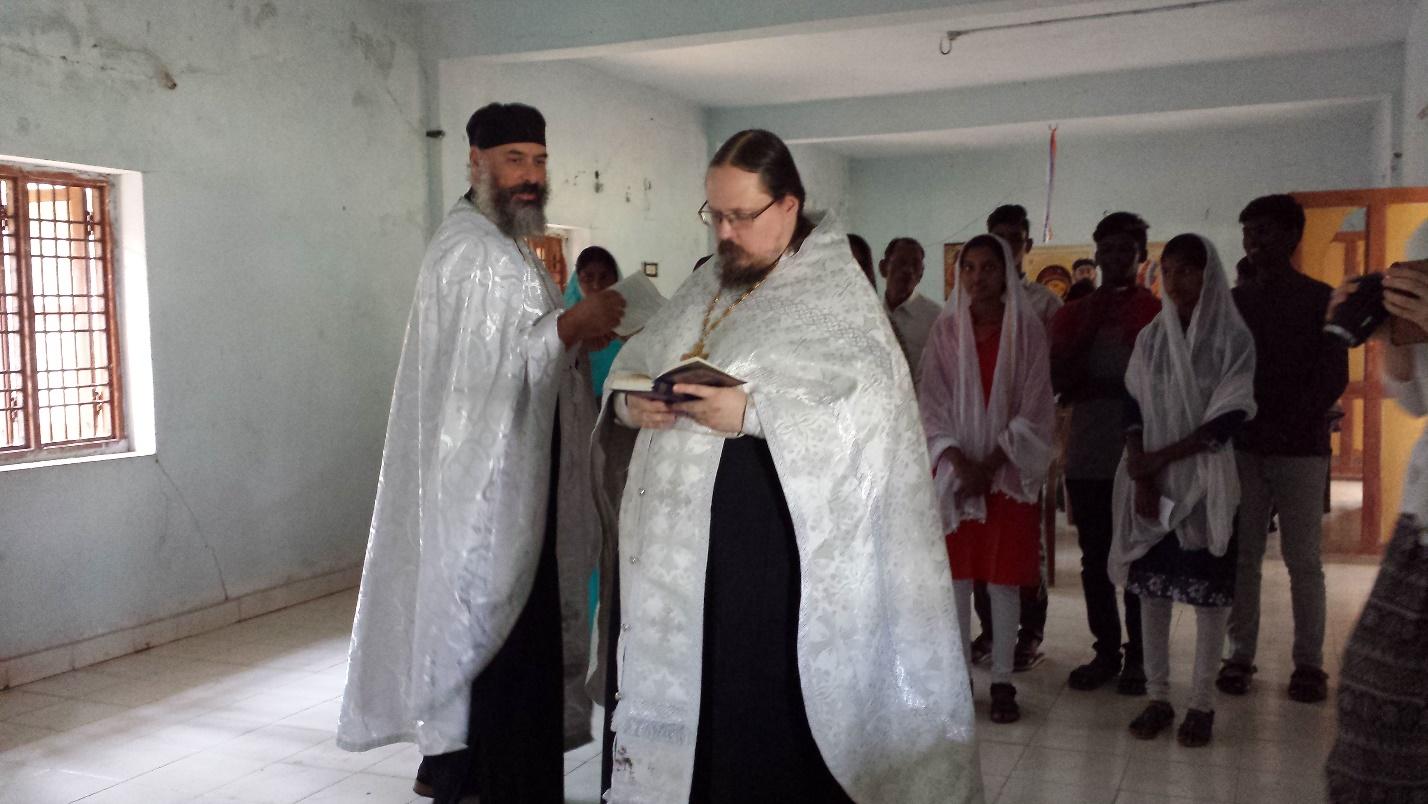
[[247, 714]]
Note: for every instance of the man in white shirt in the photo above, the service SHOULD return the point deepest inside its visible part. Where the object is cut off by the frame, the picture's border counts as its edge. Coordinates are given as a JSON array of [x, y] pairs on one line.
[[912, 313]]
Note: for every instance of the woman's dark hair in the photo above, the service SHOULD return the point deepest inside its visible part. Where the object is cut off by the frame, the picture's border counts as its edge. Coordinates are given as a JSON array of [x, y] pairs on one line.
[[1123, 223], [1187, 247], [982, 241], [596, 254], [762, 152]]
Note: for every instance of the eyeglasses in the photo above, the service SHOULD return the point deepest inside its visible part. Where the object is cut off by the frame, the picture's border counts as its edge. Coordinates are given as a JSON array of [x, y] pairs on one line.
[[737, 220]]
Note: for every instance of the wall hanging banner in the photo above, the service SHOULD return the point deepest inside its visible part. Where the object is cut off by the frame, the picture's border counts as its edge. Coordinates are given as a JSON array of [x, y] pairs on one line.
[[1050, 187]]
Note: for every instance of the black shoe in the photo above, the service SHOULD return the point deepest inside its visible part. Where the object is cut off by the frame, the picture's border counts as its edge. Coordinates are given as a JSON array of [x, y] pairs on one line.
[[1095, 674], [1028, 654], [1004, 708], [1234, 678], [1157, 717], [1308, 685], [1131, 681], [982, 649], [1197, 729]]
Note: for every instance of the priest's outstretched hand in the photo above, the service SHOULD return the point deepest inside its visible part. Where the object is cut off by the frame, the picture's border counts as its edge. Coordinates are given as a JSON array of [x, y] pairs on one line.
[[719, 409], [592, 319]]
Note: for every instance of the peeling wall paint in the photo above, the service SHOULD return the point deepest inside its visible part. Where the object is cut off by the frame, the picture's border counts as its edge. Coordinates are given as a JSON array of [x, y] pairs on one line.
[[285, 186]]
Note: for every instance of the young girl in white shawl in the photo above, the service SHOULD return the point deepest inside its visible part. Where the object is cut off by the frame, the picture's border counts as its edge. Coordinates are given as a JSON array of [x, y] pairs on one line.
[[1191, 380], [989, 415]]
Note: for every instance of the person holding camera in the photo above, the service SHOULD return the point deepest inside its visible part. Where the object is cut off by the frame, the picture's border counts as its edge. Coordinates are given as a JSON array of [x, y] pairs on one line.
[[1381, 753]]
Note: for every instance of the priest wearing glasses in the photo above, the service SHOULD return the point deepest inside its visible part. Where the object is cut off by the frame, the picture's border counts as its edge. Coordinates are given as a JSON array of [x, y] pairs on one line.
[[781, 626]]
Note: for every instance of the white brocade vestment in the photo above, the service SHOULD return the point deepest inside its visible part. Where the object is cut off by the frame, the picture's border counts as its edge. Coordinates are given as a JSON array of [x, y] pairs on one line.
[[884, 683], [462, 499]]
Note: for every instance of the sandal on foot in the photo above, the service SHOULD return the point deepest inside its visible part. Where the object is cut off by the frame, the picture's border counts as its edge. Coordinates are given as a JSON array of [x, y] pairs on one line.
[[1004, 708], [1235, 677], [1157, 717], [1197, 729], [1308, 685]]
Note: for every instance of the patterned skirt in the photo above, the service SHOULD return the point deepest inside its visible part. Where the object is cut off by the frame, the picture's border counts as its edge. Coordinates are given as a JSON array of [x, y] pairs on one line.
[[1381, 754], [1192, 577]]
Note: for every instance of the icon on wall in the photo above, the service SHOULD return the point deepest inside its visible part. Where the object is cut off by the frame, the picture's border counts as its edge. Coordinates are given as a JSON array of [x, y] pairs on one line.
[[651, 269]]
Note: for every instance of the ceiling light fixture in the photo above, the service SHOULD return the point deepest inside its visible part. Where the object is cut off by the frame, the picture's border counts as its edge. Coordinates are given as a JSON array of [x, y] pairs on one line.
[[944, 46]]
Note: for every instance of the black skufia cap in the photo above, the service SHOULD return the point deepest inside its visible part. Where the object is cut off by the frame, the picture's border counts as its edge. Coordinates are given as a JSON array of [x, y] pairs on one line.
[[504, 123]]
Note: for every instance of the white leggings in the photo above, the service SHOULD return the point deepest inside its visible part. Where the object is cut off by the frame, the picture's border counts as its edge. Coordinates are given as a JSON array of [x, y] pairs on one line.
[[1210, 624], [1006, 613]]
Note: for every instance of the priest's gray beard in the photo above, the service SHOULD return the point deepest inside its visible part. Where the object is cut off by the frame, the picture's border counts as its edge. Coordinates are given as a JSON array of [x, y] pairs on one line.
[[515, 218], [738, 268]]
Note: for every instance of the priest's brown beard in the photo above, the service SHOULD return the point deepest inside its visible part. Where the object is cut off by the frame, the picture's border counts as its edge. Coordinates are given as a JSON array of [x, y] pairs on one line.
[[739, 269]]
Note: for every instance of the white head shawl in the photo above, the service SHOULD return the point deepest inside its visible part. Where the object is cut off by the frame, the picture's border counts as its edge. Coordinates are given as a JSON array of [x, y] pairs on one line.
[[1020, 416], [1183, 378]]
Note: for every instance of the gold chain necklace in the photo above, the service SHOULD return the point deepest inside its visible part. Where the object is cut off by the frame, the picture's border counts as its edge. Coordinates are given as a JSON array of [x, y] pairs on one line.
[[706, 329]]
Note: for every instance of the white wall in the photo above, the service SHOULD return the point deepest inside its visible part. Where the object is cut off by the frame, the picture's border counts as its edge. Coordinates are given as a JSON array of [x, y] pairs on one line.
[[649, 149], [825, 178], [284, 187], [1193, 181], [1414, 167]]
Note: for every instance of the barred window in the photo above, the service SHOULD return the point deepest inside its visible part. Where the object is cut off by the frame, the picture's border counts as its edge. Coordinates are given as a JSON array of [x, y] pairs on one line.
[[60, 389]]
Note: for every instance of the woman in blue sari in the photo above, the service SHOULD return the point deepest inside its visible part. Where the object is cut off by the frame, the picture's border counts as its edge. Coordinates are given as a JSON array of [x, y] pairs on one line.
[[595, 270]]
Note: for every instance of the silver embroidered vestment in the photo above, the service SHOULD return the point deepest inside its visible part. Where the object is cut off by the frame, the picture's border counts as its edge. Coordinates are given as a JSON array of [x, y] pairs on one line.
[[462, 499], [879, 659]]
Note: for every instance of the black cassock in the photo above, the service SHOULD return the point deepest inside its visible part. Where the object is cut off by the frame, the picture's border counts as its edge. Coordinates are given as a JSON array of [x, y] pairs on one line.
[[754, 742]]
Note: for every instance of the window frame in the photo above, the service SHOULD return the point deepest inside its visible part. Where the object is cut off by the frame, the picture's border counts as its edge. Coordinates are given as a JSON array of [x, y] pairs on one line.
[[119, 442]]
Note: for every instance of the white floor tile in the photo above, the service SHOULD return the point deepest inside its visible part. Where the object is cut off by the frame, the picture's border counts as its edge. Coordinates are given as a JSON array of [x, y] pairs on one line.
[[73, 684], [200, 773], [402, 764], [1180, 779], [1040, 791], [327, 755], [367, 788], [136, 793], [1075, 768], [173, 725], [68, 714], [48, 786], [271, 743], [280, 784], [19, 701]]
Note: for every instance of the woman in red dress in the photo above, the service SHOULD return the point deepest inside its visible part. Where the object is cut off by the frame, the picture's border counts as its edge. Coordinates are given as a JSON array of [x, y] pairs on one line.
[[989, 415]]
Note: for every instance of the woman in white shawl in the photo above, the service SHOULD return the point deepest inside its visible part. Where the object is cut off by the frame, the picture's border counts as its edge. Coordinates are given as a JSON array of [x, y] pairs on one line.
[[1191, 382], [988, 411]]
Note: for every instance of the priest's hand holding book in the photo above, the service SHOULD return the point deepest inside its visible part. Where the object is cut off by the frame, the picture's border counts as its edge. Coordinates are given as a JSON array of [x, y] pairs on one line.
[[693, 389]]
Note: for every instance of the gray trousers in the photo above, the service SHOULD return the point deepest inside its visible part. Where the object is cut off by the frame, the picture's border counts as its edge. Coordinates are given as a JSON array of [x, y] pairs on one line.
[[1295, 487]]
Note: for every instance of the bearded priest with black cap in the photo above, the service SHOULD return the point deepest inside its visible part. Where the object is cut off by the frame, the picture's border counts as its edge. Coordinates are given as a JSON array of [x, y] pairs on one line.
[[471, 620]]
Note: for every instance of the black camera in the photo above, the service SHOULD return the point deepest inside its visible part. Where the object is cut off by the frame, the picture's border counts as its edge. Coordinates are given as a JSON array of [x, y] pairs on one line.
[[1361, 314]]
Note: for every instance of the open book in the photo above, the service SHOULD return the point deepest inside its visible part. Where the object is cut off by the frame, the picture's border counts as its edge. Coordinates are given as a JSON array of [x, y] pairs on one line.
[[693, 371], [642, 301]]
